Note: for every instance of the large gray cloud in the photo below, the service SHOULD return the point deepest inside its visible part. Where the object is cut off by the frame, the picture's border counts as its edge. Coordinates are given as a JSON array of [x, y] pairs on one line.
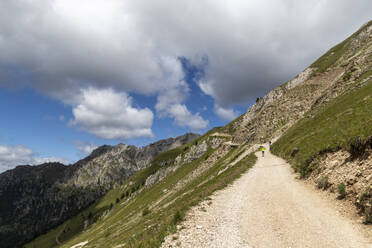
[[63, 46]]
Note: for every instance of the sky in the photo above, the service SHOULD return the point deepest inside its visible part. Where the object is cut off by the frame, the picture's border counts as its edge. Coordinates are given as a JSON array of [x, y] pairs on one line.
[[77, 74]]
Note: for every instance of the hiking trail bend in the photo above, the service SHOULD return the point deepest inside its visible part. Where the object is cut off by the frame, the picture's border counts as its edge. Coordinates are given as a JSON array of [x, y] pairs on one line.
[[268, 207]]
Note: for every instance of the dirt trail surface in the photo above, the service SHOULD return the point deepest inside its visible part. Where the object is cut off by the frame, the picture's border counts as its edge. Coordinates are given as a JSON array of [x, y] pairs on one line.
[[268, 207]]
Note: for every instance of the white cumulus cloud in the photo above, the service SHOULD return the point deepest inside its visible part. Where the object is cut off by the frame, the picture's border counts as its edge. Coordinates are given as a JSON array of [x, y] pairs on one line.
[[170, 100], [84, 148], [183, 117], [110, 115], [11, 156], [228, 114]]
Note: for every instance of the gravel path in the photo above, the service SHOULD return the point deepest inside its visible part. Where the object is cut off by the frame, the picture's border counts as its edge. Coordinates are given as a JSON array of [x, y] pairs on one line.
[[267, 207]]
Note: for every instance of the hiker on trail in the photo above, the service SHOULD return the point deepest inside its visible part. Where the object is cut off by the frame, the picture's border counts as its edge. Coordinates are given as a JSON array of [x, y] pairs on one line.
[[270, 145], [263, 151]]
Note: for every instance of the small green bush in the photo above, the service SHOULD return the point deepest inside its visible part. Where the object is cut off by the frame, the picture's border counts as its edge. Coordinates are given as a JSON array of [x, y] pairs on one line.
[[303, 169], [363, 206], [357, 147], [347, 76], [341, 190], [145, 212], [177, 217], [107, 233], [323, 182], [363, 201], [368, 219]]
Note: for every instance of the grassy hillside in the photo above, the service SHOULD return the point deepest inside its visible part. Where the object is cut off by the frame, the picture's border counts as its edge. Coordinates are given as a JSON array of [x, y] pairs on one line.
[[334, 127], [329, 58], [134, 215]]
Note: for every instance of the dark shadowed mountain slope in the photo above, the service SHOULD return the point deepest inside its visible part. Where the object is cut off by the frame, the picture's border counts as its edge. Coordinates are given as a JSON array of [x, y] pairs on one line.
[[34, 199]]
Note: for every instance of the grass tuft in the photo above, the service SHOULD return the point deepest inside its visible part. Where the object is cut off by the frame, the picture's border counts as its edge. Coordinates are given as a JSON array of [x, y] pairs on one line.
[[341, 188], [357, 146], [177, 217], [323, 182], [145, 212]]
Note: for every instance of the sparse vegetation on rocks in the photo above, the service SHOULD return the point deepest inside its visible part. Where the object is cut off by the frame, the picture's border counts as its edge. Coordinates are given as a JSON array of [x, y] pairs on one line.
[[341, 188], [323, 182]]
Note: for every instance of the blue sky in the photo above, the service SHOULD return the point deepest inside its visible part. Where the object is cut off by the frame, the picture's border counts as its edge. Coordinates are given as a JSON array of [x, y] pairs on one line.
[[78, 74], [40, 122]]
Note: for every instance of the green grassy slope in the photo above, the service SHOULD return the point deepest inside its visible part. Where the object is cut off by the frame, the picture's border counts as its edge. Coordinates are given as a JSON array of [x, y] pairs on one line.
[[136, 216], [331, 128], [330, 57]]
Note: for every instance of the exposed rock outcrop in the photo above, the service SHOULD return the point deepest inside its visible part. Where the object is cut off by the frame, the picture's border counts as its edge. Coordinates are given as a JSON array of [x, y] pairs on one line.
[[34, 199], [195, 152], [354, 174]]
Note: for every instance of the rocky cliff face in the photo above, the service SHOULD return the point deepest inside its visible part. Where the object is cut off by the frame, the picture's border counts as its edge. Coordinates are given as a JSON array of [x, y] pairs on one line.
[[113, 166], [33, 199]]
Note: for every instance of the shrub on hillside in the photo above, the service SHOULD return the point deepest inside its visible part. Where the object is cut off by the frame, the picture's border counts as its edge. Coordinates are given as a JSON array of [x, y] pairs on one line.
[[357, 146], [177, 217], [341, 190], [145, 212], [323, 182], [347, 76], [364, 203]]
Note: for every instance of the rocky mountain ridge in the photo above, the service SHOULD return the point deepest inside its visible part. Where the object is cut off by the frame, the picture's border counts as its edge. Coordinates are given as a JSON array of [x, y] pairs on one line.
[[116, 163], [34, 199]]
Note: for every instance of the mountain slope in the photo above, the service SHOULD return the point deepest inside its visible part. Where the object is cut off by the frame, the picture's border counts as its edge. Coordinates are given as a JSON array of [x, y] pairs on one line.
[[332, 145], [331, 75], [344, 126], [34, 199], [112, 166], [145, 208], [149, 205]]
